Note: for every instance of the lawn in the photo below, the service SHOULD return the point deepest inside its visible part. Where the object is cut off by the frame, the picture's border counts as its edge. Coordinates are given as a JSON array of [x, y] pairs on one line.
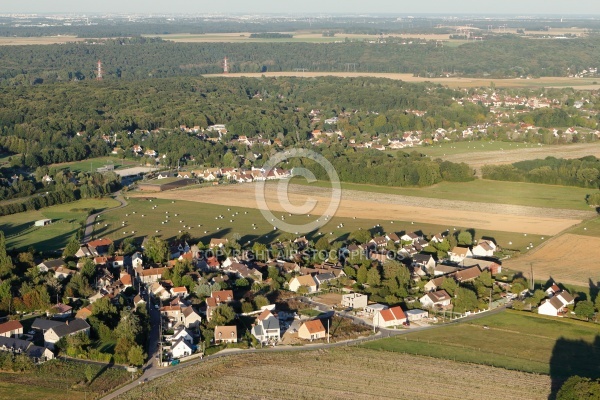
[[485, 191], [66, 220], [514, 340], [201, 220], [61, 379]]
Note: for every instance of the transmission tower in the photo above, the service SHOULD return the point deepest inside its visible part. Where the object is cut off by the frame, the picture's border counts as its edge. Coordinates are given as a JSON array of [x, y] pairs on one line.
[[99, 74], [225, 66]]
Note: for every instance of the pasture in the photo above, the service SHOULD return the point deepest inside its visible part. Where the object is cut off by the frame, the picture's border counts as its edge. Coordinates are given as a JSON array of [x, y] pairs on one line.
[[93, 163], [66, 220], [487, 191], [20, 41], [201, 220], [513, 340], [382, 207], [340, 373]]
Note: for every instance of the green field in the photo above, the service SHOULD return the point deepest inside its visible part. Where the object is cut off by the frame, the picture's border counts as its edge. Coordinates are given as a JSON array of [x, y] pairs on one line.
[[59, 379], [66, 220], [486, 191], [514, 340], [195, 214], [590, 227], [93, 163]]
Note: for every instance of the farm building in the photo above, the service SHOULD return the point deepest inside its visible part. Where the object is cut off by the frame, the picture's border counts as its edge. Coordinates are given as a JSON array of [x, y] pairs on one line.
[[165, 184], [43, 222]]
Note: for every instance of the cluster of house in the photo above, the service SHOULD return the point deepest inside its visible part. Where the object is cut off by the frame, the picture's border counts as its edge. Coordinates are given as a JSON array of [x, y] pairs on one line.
[[50, 331]]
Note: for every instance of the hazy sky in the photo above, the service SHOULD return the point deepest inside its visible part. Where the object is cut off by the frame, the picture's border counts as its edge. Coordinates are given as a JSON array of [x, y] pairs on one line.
[[520, 7]]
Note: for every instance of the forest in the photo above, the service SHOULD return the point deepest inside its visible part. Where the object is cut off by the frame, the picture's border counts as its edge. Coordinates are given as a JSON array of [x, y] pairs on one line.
[[582, 172], [144, 58]]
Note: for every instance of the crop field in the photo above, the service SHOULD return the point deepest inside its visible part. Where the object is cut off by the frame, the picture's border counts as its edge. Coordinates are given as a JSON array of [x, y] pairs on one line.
[[371, 206], [510, 154], [508, 150], [569, 258], [201, 220], [59, 379], [453, 82], [66, 220], [20, 41], [513, 340], [487, 191], [342, 373]]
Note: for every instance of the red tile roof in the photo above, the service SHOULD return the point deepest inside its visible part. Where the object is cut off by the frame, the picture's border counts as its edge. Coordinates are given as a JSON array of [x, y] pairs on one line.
[[10, 326]]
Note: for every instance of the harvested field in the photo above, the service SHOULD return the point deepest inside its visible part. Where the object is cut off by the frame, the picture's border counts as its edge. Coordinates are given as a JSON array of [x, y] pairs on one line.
[[325, 374], [377, 206], [454, 82], [20, 41], [569, 259], [481, 158]]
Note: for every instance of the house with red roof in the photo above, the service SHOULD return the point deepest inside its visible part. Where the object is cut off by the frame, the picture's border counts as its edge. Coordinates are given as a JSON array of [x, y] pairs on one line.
[[390, 317]]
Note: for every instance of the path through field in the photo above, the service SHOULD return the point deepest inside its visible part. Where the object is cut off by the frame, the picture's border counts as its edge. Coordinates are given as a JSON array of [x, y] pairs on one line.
[[377, 206]]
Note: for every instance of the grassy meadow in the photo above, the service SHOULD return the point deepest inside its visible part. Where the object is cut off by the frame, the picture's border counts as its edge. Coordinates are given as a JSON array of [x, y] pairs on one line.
[[514, 340], [66, 220], [201, 220], [485, 191], [94, 163]]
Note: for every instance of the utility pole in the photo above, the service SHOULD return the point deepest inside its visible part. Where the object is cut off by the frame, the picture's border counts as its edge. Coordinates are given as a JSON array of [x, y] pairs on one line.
[[327, 330]]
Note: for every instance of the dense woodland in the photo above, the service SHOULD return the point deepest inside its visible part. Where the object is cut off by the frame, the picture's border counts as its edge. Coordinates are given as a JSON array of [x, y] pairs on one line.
[[142, 58], [583, 172]]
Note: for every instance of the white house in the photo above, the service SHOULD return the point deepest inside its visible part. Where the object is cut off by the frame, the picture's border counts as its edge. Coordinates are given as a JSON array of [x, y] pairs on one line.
[[182, 333], [354, 300], [191, 319], [54, 334], [304, 280], [266, 328], [485, 248], [416, 314], [391, 317], [436, 299], [181, 348], [557, 304], [458, 254]]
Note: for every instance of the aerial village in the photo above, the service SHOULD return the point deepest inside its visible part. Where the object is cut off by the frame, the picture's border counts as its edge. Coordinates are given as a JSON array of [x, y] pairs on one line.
[[204, 298]]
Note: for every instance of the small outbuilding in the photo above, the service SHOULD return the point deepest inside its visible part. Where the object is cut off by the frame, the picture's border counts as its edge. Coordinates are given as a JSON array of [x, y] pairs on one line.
[[43, 222]]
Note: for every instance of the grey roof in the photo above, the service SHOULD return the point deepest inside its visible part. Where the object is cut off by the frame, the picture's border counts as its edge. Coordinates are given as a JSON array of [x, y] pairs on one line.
[[182, 340], [45, 324], [14, 344], [257, 331], [72, 327], [54, 263], [36, 351], [421, 257], [270, 323], [327, 276]]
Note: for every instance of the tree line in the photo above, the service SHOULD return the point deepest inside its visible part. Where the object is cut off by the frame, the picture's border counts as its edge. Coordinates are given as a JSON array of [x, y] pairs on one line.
[[582, 172]]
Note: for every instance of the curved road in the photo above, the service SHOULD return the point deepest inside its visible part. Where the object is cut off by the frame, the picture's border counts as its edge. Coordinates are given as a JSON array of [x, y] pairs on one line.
[[89, 222], [151, 370]]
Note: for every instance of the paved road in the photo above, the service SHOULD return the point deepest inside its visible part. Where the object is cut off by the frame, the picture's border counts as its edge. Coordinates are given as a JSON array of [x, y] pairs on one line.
[[89, 223], [151, 370]]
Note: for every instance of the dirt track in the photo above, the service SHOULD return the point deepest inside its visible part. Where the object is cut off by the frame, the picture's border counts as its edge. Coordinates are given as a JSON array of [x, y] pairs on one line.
[[375, 206], [569, 259]]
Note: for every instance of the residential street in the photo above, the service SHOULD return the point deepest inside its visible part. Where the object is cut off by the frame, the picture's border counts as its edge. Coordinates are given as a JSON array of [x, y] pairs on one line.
[[152, 371]]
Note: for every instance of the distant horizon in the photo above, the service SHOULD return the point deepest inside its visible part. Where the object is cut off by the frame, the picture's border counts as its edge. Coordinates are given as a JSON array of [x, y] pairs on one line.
[[582, 8]]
